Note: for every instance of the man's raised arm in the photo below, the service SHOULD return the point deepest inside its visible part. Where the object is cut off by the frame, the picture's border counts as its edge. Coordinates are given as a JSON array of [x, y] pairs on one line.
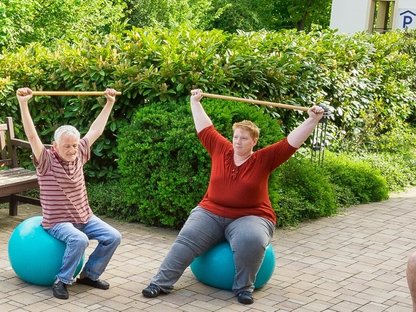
[[23, 96], [97, 127]]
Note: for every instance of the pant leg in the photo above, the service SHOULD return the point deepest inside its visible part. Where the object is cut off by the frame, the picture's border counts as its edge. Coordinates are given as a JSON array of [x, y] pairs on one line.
[[248, 237], [108, 240], [76, 243], [200, 232]]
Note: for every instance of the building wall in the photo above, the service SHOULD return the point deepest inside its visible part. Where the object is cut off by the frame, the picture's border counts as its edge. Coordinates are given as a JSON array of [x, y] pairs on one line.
[[351, 16]]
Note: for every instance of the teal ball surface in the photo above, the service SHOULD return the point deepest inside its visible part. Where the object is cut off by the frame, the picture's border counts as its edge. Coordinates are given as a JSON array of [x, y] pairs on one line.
[[34, 255], [216, 267]]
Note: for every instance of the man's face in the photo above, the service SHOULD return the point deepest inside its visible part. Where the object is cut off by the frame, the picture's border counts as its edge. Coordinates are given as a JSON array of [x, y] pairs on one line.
[[67, 147]]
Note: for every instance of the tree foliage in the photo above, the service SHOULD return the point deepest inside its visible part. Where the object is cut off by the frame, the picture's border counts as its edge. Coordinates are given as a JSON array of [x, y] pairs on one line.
[[47, 21], [246, 15], [301, 14], [167, 13], [230, 16]]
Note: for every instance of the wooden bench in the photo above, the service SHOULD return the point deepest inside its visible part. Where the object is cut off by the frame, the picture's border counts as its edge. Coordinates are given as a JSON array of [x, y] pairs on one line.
[[14, 179]]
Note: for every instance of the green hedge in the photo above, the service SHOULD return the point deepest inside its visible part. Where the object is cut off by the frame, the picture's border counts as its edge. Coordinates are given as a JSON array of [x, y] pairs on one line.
[[165, 169], [365, 182], [368, 79], [300, 190]]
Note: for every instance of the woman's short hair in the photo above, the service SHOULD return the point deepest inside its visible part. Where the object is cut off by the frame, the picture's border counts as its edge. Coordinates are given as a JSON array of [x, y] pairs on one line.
[[248, 126], [66, 129]]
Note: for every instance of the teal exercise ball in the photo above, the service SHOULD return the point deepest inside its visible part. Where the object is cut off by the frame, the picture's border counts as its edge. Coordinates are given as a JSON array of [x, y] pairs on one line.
[[34, 254], [216, 267]]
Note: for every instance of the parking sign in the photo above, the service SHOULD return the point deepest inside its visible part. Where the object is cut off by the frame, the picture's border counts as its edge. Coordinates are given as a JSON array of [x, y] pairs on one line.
[[406, 19]]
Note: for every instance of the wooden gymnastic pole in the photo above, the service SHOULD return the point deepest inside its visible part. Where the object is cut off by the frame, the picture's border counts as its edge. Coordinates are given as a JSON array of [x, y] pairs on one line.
[[265, 103], [70, 93]]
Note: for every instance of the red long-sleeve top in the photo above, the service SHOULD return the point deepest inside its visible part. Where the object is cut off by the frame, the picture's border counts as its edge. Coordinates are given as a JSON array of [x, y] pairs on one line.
[[236, 191]]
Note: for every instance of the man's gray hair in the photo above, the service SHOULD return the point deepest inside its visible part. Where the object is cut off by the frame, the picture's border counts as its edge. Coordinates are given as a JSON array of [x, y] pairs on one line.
[[66, 129]]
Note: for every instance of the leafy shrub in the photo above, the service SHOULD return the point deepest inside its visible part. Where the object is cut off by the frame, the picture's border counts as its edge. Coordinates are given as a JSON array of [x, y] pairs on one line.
[[398, 141], [165, 170], [107, 199], [392, 154], [371, 87], [345, 196], [366, 183], [300, 190], [368, 79], [398, 171]]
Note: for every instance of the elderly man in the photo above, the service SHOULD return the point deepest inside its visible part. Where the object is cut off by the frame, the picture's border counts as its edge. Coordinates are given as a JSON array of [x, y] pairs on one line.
[[66, 213]]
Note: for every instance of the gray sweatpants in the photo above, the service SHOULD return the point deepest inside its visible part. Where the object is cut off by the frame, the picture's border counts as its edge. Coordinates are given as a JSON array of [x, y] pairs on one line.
[[248, 237]]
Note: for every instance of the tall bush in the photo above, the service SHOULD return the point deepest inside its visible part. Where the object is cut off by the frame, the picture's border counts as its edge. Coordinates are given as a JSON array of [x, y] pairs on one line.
[[164, 168], [365, 183], [300, 191]]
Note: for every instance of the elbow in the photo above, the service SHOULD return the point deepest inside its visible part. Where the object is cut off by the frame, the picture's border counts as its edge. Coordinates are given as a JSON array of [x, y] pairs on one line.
[[294, 142], [97, 133]]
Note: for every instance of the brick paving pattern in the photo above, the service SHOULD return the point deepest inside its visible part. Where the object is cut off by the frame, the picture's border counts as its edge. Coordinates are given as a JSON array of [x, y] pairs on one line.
[[355, 261]]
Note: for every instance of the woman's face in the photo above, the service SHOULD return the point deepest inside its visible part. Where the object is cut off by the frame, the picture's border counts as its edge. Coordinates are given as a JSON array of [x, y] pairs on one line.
[[243, 143]]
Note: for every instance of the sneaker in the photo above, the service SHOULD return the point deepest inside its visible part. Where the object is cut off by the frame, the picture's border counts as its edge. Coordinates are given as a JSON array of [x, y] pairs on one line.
[[96, 284], [59, 290], [245, 297], [151, 291]]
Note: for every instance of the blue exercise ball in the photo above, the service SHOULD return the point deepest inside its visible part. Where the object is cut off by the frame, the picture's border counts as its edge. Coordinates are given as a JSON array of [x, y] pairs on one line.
[[216, 267], [34, 254]]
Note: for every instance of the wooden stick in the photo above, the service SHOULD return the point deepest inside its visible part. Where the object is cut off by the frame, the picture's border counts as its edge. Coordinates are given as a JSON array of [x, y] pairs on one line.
[[233, 98], [71, 93]]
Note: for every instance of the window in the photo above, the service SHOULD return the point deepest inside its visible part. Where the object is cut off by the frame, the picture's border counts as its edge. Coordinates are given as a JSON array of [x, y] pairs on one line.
[[383, 13]]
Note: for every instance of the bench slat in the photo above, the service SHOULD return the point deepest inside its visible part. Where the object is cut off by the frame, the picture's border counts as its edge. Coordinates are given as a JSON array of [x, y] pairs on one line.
[[16, 176], [13, 179], [17, 180]]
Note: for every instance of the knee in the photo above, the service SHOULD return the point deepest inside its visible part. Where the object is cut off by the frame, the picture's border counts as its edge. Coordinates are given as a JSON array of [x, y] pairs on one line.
[[115, 238], [411, 262], [255, 240], [79, 241], [248, 245]]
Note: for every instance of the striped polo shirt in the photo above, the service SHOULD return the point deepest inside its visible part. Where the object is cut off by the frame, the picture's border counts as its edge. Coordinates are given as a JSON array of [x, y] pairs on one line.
[[63, 194]]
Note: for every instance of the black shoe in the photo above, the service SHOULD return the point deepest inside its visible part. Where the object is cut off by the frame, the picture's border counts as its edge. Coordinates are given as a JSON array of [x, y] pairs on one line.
[[59, 290], [96, 284], [151, 291], [245, 297]]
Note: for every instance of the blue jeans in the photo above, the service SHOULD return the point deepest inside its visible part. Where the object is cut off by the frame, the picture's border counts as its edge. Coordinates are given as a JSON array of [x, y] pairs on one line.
[[248, 237], [76, 237]]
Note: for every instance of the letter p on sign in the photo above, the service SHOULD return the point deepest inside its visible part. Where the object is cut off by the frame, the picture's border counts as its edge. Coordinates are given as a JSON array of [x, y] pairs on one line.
[[407, 18]]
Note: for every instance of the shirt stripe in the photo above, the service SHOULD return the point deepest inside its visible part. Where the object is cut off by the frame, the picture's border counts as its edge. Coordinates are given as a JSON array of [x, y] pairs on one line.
[[63, 194]]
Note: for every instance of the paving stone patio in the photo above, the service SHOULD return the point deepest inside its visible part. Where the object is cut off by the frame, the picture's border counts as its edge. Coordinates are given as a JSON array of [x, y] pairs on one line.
[[355, 261]]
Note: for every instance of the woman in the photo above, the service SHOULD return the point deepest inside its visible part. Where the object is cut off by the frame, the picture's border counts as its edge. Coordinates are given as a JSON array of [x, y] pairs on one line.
[[236, 206]]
